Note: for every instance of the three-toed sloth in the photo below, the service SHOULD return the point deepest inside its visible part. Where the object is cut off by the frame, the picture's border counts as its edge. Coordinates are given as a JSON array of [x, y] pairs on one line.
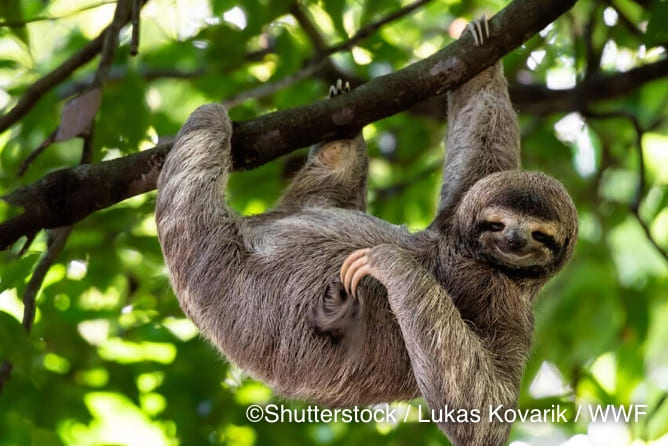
[[329, 304]]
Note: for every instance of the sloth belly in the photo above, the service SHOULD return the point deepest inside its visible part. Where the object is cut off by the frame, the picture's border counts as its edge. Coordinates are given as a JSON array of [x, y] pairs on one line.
[[292, 262]]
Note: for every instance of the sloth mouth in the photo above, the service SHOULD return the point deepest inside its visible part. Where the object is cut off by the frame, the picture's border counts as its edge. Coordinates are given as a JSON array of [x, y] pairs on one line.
[[514, 258]]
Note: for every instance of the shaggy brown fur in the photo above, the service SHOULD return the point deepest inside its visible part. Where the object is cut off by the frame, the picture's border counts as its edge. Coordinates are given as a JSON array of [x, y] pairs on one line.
[[449, 313]]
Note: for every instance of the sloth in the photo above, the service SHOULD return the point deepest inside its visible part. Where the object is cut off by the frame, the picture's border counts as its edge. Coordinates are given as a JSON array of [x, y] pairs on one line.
[[329, 304]]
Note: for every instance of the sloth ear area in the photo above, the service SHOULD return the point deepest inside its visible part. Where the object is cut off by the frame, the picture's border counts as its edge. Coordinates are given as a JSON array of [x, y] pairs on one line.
[[336, 312]]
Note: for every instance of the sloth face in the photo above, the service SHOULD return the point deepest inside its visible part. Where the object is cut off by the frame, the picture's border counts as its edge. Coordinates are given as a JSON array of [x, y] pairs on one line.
[[522, 223], [518, 241]]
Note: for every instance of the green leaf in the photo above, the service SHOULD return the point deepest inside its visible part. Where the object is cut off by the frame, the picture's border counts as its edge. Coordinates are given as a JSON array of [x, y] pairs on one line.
[[117, 126], [43, 437], [373, 8], [14, 342], [220, 6], [657, 32], [10, 11], [16, 273], [336, 9]]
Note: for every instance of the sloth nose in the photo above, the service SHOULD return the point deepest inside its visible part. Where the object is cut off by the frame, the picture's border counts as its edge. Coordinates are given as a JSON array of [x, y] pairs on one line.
[[515, 240]]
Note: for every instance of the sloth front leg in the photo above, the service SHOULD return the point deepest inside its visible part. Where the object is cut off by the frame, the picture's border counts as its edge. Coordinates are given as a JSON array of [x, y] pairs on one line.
[[452, 367], [483, 134], [335, 174], [200, 235]]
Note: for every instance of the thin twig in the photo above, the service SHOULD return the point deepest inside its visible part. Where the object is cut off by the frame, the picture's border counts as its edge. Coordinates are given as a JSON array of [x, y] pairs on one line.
[[111, 42], [640, 186], [56, 243], [37, 152], [369, 29], [26, 245], [134, 43], [329, 72], [118, 73], [272, 87], [323, 54], [648, 234], [309, 27], [634, 205], [592, 54]]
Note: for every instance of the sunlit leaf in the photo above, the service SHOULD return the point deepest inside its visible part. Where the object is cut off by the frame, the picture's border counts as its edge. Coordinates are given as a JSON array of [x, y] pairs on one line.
[[10, 10]]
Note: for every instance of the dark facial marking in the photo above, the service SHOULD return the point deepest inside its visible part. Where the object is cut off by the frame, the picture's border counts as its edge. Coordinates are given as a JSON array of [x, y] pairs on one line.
[[546, 240], [492, 226]]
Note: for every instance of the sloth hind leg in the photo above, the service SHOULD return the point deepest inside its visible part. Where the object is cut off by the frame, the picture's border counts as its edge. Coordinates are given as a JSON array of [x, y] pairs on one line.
[[335, 174]]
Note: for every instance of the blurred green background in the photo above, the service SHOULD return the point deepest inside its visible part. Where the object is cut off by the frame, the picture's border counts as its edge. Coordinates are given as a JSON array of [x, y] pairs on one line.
[[112, 360]]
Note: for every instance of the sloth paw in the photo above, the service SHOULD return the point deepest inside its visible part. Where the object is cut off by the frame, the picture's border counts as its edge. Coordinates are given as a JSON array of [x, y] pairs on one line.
[[354, 269], [339, 88], [479, 28]]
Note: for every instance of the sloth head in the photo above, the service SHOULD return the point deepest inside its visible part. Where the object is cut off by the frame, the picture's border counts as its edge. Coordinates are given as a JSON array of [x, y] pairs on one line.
[[523, 223]]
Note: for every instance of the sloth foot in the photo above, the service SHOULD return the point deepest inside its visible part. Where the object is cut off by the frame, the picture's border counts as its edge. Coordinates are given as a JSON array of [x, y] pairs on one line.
[[479, 28], [339, 88], [354, 269]]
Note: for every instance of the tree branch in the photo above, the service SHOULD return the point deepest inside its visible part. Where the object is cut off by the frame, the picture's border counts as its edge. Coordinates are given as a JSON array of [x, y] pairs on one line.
[[309, 27], [537, 99], [66, 196], [134, 18]]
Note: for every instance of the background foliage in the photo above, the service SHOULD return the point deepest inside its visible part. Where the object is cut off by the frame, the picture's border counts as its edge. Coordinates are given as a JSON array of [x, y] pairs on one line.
[[111, 358]]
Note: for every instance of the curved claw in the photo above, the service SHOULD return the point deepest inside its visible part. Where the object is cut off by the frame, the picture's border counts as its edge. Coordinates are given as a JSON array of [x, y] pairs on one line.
[[479, 28], [339, 88], [349, 261], [354, 268], [359, 274]]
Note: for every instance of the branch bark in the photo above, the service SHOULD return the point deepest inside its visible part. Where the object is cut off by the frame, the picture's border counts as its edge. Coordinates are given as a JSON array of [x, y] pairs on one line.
[[540, 100], [69, 195]]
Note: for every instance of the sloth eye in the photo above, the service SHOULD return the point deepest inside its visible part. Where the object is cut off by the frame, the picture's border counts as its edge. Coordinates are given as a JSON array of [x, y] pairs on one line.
[[542, 237], [493, 226]]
